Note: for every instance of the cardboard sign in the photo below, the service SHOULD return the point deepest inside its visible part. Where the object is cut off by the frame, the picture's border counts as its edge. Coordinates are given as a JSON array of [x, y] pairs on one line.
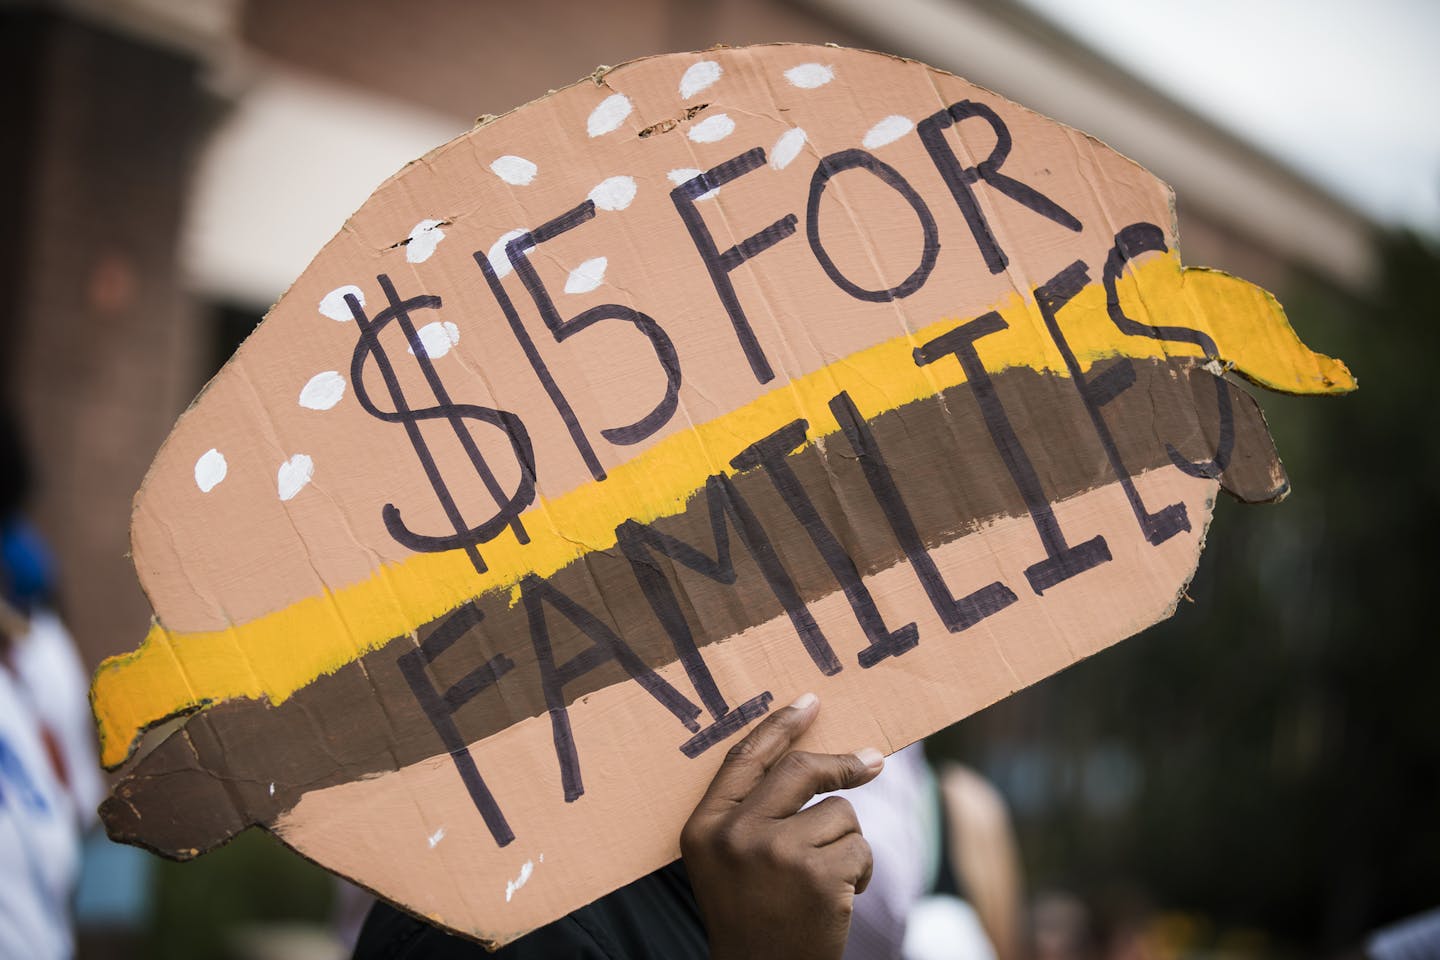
[[599, 431]]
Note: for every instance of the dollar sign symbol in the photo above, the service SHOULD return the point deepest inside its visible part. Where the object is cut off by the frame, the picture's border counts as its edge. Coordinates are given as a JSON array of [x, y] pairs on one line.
[[508, 504]]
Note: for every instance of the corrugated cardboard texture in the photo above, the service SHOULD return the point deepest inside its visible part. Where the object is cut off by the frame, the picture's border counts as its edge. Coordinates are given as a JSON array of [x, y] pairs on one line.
[[709, 380]]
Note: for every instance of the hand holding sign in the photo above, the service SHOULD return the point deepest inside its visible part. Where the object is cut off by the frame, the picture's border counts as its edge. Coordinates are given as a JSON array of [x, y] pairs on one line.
[[773, 880], [705, 381]]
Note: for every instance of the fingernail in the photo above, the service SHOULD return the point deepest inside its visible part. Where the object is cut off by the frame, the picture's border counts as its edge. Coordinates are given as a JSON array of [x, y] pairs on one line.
[[872, 758], [804, 702]]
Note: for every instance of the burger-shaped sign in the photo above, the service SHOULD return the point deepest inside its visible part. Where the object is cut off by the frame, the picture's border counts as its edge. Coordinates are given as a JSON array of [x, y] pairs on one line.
[[602, 429]]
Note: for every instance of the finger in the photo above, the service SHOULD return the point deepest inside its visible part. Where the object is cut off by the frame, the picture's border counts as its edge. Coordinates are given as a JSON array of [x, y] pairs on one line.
[[746, 763], [790, 783], [851, 860], [826, 821]]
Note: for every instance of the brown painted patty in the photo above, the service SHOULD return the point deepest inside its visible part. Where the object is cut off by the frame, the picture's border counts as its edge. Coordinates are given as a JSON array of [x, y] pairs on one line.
[[245, 761]]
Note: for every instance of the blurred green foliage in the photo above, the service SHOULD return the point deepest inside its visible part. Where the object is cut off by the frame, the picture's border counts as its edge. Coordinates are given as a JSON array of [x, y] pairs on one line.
[[254, 879], [1279, 734]]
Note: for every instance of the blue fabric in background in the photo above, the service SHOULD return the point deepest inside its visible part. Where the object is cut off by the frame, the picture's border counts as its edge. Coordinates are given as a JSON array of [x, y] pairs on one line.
[[27, 567], [116, 888]]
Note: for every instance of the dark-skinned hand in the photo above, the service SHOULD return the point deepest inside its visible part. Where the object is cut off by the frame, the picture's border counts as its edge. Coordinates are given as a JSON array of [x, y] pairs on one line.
[[772, 880]]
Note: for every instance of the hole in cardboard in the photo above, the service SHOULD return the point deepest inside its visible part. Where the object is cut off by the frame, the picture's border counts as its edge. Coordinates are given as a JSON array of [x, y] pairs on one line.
[[665, 126]]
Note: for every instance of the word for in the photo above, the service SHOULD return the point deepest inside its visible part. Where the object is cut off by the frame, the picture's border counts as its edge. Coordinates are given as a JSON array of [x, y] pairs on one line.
[[960, 179]]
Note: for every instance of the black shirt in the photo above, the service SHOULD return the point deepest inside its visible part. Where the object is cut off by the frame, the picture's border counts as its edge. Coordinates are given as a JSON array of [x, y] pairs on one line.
[[654, 918]]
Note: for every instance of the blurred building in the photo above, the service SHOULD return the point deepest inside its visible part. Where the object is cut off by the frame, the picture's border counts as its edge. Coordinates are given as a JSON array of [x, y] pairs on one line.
[[173, 164]]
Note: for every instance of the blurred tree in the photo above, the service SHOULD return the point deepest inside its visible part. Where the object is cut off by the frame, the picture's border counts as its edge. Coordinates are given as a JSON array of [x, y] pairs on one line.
[[201, 905]]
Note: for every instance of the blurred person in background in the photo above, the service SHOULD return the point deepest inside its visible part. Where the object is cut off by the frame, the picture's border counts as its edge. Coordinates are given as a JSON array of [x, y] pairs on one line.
[[972, 907], [899, 816], [50, 782], [1417, 938]]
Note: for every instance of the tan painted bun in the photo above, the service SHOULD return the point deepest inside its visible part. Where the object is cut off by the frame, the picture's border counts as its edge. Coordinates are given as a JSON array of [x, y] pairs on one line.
[[247, 553], [820, 370]]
